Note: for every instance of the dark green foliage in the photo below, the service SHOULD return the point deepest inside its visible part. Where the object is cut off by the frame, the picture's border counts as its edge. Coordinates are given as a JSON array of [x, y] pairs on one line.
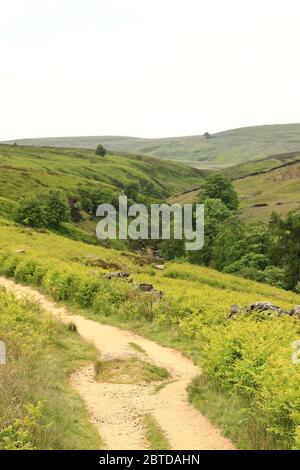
[[31, 212], [101, 151], [218, 186], [131, 190], [285, 246], [39, 212], [216, 213], [57, 208]]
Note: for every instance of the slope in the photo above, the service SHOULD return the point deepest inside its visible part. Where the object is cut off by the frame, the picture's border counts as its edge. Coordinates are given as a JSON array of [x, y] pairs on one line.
[[223, 149]]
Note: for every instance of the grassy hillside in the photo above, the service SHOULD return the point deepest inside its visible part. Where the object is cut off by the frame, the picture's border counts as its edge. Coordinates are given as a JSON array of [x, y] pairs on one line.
[[240, 354], [30, 170], [276, 190], [222, 150]]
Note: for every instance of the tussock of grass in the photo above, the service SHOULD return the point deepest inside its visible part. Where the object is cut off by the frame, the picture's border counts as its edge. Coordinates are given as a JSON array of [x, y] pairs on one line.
[[228, 411], [155, 435], [137, 347], [38, 409], [129, 371]]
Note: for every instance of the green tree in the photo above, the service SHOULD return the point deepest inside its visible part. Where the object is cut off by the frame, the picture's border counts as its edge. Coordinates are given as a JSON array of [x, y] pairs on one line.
[[215, 213], [57, 208], [101, 151], [218, 186], [32, 213], [131, 190], [285, 246]]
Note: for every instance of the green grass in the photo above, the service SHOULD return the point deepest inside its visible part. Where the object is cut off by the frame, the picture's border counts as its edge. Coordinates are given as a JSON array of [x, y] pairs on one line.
[[137, 348], [154, 434], [26, 171], [38, 408], [278, 190], [227, 411], [224, 149], [129, 371]]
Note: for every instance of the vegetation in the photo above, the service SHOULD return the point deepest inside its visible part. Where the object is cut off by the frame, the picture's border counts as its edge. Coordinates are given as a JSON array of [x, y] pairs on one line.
[[250, 385], [49, 211], [218, 186], [223, 150], [100, 151], [155, 434], [239, 355], [38, 410], [128, 371]]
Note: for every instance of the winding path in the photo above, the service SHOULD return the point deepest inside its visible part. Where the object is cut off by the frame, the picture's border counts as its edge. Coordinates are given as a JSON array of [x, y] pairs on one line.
[[117, 409]]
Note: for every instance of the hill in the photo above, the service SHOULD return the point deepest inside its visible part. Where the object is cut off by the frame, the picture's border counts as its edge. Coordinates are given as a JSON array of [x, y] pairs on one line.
[[223, 149], [32, 170]]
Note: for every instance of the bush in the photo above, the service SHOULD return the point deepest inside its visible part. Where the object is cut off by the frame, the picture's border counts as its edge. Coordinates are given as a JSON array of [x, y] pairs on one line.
[[100, 151], [244, 357], [57, 208], [32, 213]]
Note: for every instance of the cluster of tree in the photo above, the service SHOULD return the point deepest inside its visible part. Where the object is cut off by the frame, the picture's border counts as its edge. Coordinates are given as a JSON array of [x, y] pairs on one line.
[[266, 252], [47, 211]]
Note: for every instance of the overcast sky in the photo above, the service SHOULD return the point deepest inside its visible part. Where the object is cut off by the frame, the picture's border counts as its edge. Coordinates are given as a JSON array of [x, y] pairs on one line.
[[147, 68]]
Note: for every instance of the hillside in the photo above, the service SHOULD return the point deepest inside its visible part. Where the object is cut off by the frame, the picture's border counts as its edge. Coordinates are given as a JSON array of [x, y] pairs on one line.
[[224, 149], [192, 316], [275, 190], [31, 170]]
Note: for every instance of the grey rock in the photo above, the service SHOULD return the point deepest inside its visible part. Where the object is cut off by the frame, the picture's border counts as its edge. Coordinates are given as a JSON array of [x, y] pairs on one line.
[[295, 312], [118, 274]]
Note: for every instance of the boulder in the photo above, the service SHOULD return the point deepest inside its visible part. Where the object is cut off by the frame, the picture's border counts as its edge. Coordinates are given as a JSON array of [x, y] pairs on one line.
[[118, 275], [234, 310], [160, 267], [21, 251], [146, 287], [295, 312]]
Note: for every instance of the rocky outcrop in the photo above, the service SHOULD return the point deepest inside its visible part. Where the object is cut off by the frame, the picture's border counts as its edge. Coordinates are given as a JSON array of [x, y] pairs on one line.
[[263, 307], [118, 275]]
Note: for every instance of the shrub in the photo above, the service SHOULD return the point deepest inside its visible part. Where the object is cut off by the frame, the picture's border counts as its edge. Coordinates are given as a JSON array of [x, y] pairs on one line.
[[100, 151], [57, 208], [32, 212]]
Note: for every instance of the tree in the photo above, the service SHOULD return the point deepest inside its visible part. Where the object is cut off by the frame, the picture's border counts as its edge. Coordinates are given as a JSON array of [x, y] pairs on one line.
[[285, 246], [57, 208], [218, 186], [207, 135], [32, 213], [215, 213], [101, 151], [131, 190]]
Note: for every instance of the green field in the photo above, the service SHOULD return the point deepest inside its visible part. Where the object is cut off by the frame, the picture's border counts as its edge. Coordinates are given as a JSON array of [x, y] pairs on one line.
[[31, 170], [222, 150]]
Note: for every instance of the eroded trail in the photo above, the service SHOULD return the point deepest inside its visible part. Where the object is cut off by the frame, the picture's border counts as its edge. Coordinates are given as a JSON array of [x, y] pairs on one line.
[[115, 408]]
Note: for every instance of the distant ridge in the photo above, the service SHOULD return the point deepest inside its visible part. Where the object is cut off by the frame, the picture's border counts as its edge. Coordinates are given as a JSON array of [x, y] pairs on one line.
[[223, 149]]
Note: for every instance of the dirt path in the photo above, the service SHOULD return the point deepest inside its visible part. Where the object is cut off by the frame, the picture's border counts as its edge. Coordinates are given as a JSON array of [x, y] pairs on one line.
[[116, 409]]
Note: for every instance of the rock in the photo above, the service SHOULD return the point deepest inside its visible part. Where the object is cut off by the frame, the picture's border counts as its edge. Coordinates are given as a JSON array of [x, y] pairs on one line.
[[118, 274], [160, 267], [21, 251], [234, 310], [146, 287], [295, 312], [265, 306], [260, 307]]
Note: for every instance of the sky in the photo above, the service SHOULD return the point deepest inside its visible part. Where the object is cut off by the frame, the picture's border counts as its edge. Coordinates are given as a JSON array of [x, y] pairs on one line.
[[147, 68]]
